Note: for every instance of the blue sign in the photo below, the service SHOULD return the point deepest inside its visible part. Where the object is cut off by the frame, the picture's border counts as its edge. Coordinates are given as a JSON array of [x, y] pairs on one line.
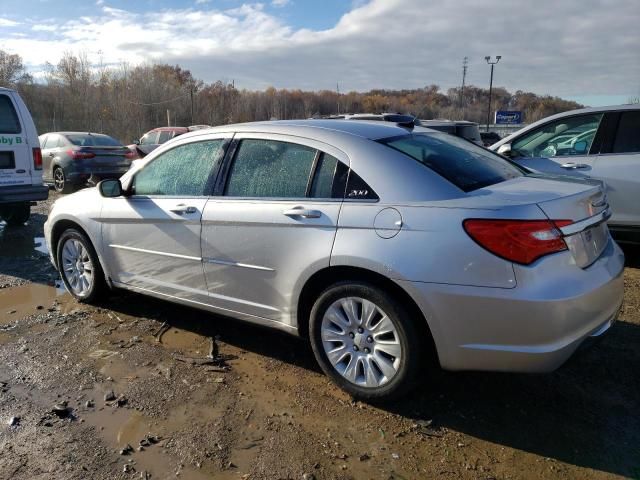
[[505, 117]]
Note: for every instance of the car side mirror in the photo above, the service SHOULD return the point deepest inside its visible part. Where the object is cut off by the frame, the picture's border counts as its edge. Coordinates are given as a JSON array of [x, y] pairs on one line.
[[580, 147], [136, 142], [505, 150], [110, 188]]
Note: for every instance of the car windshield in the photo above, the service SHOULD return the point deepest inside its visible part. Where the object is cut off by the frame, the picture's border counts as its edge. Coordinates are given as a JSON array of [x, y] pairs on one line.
[[91, 140], [463, 163]]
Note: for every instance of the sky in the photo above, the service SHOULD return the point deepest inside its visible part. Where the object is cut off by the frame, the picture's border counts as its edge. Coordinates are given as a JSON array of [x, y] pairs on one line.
[[585, 50]]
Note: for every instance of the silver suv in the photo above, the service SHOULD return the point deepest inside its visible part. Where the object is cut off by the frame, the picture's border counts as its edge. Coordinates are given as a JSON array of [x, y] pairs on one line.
[[601, 143], [386, 247]]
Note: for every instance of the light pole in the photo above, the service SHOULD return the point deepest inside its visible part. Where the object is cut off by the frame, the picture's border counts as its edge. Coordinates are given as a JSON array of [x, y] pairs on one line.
[[488, 59]]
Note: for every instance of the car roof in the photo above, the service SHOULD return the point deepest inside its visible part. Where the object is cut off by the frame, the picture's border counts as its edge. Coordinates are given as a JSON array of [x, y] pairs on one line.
[[448, 122], [366, 129], [75, 133], [569, 113], [4, 89]]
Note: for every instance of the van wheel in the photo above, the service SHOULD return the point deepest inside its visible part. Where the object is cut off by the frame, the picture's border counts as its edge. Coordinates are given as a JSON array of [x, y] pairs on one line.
[[79, 266], [60, 181], [17, 215], [365, 341]]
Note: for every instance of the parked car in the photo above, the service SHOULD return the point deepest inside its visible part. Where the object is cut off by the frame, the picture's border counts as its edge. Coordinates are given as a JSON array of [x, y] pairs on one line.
[[71, 159], [601, 143], [156, 137], [460, 128], [489, 138], [387, 247], [20, 160]]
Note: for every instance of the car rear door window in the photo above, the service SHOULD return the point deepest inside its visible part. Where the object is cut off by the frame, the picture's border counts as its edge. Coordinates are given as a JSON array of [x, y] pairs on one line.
[[463, 163], [562, 137], [270, 168], [182, 171], [628, 135], [9, 121]]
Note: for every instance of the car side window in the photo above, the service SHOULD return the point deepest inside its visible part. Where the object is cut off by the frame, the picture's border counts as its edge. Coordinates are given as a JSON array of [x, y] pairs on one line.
[[164, 136], [43, 141], [9, 122], [181, 171], [270, 168], [628, 135], [53, 141], [149, 138], [563, 137]]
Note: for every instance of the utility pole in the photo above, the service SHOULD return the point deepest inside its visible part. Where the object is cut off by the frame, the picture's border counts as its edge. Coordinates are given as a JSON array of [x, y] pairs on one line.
[[191, 91], [465, 63], [488, 59]]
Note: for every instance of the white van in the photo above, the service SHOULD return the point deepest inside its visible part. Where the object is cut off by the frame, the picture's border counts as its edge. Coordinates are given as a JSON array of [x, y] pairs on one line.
[[20, 160]]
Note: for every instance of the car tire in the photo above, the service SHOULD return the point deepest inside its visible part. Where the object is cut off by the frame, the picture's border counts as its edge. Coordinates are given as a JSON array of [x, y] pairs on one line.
[[79, 266], [60, 182], [17, 215], [376, 373]]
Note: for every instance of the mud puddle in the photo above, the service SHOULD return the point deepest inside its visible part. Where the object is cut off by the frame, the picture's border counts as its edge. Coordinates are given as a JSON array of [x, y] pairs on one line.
[[18, 302], [148, 440]]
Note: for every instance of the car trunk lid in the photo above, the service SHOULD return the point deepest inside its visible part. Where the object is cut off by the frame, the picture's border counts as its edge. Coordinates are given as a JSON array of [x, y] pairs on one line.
[[582, 202]]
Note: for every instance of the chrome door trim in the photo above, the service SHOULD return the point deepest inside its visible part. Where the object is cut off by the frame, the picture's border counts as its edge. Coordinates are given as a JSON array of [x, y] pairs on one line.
[[236, 264], [155, 252]]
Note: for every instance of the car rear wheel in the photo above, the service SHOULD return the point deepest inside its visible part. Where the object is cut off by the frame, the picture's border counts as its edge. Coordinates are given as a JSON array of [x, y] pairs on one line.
[[17, 215], [79, 266], [365, 341], [60, 182]]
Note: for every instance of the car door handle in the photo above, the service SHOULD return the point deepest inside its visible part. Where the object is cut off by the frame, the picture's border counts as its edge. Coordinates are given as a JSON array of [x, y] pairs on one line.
[[574, 166], [182, 209], [52, 155], [302, 212]]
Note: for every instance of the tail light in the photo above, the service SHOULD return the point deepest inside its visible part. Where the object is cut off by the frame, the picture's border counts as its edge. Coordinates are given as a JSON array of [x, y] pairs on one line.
[[130, 155], [37, 158], [519, 241], [80, 155]]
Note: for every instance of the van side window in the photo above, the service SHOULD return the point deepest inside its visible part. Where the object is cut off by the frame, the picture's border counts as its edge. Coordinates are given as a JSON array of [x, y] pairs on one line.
[[9, 122]]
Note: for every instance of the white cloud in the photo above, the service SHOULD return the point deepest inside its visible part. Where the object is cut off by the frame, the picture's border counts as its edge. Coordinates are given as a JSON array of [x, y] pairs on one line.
[[202, 2], [280, 3], [5, 22], [379, 44]]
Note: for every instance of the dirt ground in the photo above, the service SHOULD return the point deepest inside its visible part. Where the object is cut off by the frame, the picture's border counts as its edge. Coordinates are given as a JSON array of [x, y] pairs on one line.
[[127, 390]]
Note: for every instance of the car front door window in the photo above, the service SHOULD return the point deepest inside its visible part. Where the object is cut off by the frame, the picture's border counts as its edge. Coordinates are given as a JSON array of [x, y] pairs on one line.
[[182, 171], [564, 137]]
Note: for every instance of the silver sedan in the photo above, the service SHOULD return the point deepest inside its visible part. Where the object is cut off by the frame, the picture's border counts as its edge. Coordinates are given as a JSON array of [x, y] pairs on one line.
[[389, 247]]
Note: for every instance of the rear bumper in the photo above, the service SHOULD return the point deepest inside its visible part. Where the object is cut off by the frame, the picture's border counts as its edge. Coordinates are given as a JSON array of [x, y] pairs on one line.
[[81, 176], [532, 328], [23, 193]]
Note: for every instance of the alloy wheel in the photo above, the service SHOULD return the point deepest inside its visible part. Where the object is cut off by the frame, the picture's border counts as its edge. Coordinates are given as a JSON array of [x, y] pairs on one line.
[[361, 342], [77, 267]]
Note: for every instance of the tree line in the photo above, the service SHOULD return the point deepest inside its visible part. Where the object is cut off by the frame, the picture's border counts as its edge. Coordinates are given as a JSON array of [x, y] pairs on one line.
[[125, 101]]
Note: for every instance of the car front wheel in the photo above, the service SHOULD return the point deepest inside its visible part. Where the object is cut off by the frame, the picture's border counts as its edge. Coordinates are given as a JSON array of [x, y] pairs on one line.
[[365, 341], [79, 266]]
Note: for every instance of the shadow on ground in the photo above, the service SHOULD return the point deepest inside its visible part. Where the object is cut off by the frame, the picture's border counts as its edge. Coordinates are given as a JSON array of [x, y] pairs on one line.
[[585, 414]]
